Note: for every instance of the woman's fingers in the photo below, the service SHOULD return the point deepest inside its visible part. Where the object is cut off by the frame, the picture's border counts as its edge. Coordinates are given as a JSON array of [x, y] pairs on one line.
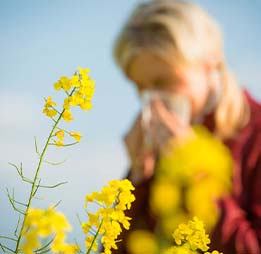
[[133, 139], [169, 119], [142, 158]]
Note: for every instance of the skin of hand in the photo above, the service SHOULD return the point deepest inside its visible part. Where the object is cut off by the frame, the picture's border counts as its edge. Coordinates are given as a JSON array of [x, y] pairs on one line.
[[142, 157]]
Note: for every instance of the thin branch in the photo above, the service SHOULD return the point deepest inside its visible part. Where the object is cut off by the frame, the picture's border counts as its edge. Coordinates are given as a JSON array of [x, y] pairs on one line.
[[36, 147], [36, 188], [45, 246], [44, 251], [50, 186], [76, 243], [5, 248], [94, 239], [20, 172], [11, 199], [16, 167], [79, 219], [54, 163], [20, 203], [17, 226], [8, 238], [71, 144], [58, 203]]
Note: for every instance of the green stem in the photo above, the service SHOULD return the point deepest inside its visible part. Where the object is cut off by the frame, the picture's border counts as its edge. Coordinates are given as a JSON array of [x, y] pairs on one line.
[[34, 185], [94, 239], [32, 193]]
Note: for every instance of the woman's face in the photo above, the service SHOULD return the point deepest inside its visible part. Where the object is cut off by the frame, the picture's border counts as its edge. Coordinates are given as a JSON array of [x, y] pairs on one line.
[[150, 72]]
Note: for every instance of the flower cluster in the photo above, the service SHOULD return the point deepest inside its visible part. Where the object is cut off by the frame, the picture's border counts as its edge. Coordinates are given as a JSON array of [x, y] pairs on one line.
[[79, 90], [191, 238], [183, 175], [106, 223], [193, 233], [41, 224]]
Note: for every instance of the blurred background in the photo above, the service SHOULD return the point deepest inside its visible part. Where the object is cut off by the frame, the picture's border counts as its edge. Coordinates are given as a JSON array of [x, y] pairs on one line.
[[43, 40]]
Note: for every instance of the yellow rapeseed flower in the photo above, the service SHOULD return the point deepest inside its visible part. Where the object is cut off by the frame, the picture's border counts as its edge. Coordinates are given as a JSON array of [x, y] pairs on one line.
[[60, 134], [79, 90], [76, 135], [49, 112], [86, 105], [190, 238], [67, 116], [165, 197], [41, 223], [75, 81], [184, 172], [192, 233], [142, 242], [49, 102], [49, 107], [114, 199]]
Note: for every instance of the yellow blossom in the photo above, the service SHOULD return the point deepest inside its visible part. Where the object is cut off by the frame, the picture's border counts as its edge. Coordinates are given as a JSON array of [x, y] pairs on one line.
[[142, 242], [192, 233], [49, 107], [59, 134], [67, 115], [79, 90], [184, 172], [49, 102], [65, 83], [46, 223], [57, 86], [86, 105], [114, 199], [59, 143], [91, 243], [75, 82], [76, 135], [83, 71], [165, 197], [49, 112]]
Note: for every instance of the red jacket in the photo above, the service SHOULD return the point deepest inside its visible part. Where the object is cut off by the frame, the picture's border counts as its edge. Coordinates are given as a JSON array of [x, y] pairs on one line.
[[239, 229]]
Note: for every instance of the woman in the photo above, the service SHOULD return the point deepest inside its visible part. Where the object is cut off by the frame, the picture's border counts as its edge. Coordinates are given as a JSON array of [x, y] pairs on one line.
[[175, 47]]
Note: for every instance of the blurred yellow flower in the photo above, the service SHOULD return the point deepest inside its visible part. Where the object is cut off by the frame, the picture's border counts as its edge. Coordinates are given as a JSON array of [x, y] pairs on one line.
[[41, 223], [142, 242], [165, 197], [184, 172]]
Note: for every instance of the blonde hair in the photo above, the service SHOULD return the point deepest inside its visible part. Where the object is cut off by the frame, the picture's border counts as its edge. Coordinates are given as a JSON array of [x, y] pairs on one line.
[[181, 33]]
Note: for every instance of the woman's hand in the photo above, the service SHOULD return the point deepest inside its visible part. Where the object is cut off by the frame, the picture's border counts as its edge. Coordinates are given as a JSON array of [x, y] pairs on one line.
[[166, 125], [163, 126], [142, 158]]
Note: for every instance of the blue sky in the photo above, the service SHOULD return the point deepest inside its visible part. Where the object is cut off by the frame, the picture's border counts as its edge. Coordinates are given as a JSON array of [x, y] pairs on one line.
[[42, 40]]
